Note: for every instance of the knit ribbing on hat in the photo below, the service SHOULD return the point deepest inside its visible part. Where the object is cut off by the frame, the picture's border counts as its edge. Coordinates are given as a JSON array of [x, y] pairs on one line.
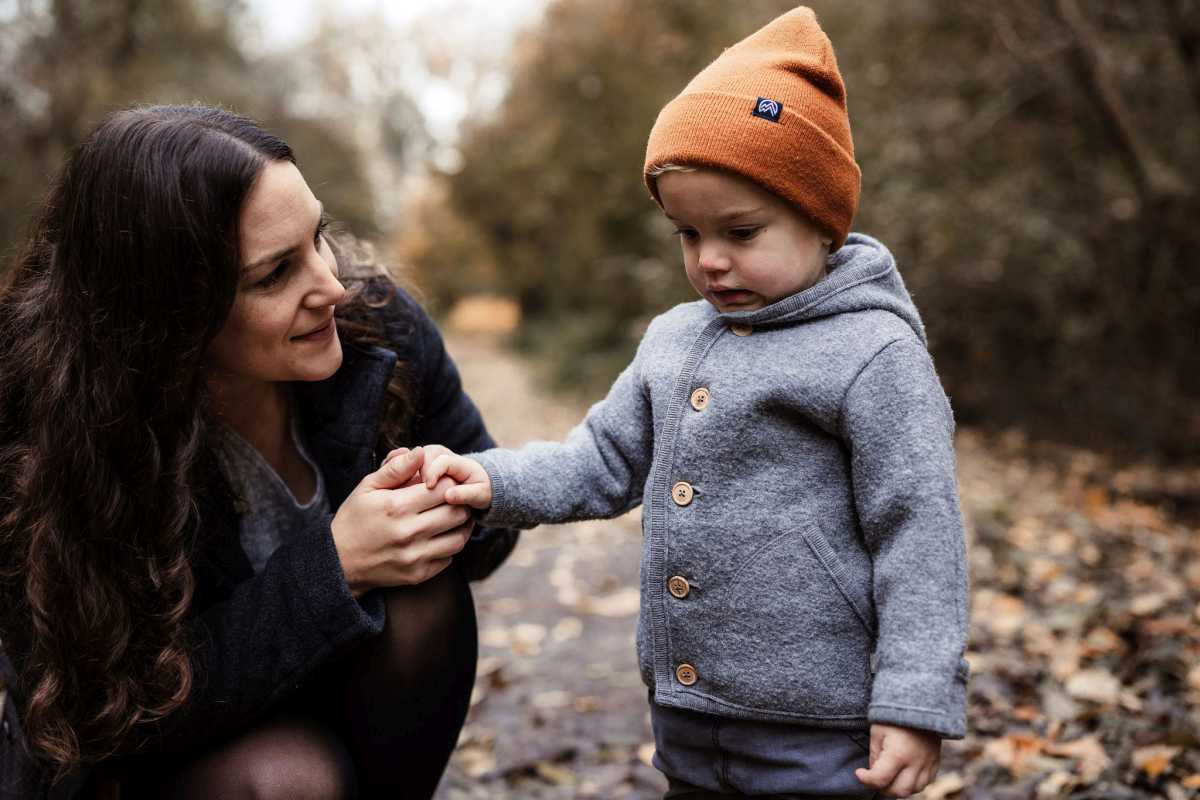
[[805, 154]]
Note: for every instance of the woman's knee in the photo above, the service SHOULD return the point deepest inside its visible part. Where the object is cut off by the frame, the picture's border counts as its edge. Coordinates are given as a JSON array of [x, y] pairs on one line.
[[435, 617], [290, 758]]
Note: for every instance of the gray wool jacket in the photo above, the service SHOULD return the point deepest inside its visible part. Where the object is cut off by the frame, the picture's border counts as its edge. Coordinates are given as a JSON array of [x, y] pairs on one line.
[[803, 552]]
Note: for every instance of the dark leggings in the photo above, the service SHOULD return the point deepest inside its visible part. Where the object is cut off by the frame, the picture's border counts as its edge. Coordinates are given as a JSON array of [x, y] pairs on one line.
[[380, 723]]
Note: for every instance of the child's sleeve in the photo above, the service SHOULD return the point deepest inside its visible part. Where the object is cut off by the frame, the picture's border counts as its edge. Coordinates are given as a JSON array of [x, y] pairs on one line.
[[898, 425], [597, 472]]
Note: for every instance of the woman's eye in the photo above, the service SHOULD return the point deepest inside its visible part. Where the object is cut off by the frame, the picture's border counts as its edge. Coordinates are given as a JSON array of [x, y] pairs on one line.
[[274, 276], [745, 234], [321, 228]]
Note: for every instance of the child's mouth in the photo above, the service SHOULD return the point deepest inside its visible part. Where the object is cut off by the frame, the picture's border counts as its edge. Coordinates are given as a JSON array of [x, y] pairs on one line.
[[733, 297]]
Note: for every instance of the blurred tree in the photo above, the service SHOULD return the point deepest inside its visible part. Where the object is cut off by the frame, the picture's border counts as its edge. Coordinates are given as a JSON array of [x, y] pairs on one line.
[[1033, 166], [553, 180], [64, 64]]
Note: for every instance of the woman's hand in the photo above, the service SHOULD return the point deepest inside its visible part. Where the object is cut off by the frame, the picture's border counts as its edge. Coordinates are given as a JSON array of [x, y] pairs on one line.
[[903, 760], [393, 530]]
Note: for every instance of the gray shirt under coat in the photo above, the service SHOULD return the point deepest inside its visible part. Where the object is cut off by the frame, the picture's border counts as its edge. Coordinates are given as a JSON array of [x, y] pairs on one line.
[[823, 543]]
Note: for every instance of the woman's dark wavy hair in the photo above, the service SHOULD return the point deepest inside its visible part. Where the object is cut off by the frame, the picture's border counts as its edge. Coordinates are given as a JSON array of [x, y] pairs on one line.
[[129, 272]]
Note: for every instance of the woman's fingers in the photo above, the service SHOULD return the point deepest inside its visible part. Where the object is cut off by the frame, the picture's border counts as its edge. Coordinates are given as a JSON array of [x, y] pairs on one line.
[[399, 451], [446, 545], [416, 498], [396, 471], [430, 523]]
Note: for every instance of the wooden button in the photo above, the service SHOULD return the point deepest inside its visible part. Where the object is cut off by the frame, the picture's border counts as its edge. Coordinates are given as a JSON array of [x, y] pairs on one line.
[[700, 399], [741, 330], [682, 493], [686, 674], [679, 586]]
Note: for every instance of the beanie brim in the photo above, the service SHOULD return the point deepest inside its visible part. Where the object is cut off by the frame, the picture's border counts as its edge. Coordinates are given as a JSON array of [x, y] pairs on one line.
[[793, 158]]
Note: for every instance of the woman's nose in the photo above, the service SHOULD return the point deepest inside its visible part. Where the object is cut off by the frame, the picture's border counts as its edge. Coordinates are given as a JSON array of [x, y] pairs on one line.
[[326, 289]]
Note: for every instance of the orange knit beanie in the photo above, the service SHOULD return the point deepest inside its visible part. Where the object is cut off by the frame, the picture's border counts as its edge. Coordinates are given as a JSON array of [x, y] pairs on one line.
[[771, 108]]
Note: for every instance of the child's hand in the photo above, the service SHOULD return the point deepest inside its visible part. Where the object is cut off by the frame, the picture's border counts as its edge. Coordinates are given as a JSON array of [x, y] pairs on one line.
[[903, 760], [475, 487]]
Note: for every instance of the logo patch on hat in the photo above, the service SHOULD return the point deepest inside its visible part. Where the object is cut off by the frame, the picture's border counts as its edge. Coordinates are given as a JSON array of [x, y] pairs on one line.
[[768, 109]]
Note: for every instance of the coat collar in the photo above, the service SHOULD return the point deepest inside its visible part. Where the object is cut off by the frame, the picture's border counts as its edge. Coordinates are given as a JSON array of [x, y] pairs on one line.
[[340, 416]]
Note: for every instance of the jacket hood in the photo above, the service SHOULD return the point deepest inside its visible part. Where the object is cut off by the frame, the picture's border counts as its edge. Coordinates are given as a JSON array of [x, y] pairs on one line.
[[862, 276]]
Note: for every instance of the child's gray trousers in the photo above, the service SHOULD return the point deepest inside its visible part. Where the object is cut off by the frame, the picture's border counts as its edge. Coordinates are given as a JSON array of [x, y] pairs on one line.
[[704, 755]]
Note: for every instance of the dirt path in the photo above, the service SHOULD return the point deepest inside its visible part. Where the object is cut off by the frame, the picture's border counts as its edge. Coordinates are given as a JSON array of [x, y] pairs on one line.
[[559, 709], [1085, 632]]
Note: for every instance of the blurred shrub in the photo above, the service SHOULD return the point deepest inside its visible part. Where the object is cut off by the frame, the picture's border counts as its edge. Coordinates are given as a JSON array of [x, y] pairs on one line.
[[1033, 165]]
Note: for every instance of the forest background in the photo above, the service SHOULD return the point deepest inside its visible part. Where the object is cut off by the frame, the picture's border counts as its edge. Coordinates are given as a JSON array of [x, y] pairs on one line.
[[1032, 164]]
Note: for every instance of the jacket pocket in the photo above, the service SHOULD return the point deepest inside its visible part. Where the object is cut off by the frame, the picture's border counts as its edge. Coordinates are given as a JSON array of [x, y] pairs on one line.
[[797, 631]]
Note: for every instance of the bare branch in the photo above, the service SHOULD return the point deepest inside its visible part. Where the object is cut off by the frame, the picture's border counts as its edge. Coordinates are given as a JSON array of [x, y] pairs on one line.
[[1154, 177]]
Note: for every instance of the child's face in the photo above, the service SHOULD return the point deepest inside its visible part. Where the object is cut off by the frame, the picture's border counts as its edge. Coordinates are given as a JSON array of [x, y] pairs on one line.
[[743, 247]]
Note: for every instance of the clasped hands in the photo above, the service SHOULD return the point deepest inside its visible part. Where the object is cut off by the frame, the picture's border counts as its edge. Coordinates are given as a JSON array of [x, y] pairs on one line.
[[401, 525]]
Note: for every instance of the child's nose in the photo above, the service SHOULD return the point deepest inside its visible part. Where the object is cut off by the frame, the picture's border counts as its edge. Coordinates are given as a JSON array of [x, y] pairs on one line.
[[713, 259]]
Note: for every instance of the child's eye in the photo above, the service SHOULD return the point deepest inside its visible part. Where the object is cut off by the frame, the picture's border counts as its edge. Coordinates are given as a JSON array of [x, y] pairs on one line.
[[745, 234], [686, 233]]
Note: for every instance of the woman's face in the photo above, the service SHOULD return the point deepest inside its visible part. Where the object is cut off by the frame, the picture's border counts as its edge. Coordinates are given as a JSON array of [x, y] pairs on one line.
[[281, 327]]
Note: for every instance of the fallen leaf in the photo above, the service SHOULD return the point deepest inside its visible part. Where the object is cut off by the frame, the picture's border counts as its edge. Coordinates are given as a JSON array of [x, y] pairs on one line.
[[1096, 684], [1027, 713], [1192, 781], [1147, 604], [475, 761], [1088, 751], [566, 629], [946, 785], [587, 703], [554, 773], [622, 603], [1002, 613], [1155, 759], [1056, 785], [555, 698], [1016, 752], [1100, 641], [1065, 659], [1130, 701], [1174, 625], [494, 636]]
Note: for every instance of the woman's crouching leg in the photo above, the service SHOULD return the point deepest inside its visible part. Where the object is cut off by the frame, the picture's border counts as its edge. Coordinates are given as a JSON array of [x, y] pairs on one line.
[[408, 690], [286, 758]]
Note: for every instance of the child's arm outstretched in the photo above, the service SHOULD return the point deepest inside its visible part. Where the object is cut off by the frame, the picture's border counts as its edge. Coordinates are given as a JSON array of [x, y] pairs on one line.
[[599, 471]]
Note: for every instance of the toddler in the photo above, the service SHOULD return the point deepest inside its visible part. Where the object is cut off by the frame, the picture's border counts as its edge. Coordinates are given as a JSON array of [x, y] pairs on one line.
[[804, 598]]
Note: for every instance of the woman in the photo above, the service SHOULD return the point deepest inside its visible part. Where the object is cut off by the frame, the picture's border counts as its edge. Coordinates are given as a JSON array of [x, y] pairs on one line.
[[206, 586]]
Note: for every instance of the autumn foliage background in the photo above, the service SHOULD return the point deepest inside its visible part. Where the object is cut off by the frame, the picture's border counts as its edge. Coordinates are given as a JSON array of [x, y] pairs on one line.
[[1032, 164]]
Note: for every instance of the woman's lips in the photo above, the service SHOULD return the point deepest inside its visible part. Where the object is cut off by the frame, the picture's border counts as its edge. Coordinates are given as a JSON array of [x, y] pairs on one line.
[[320, 334]]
